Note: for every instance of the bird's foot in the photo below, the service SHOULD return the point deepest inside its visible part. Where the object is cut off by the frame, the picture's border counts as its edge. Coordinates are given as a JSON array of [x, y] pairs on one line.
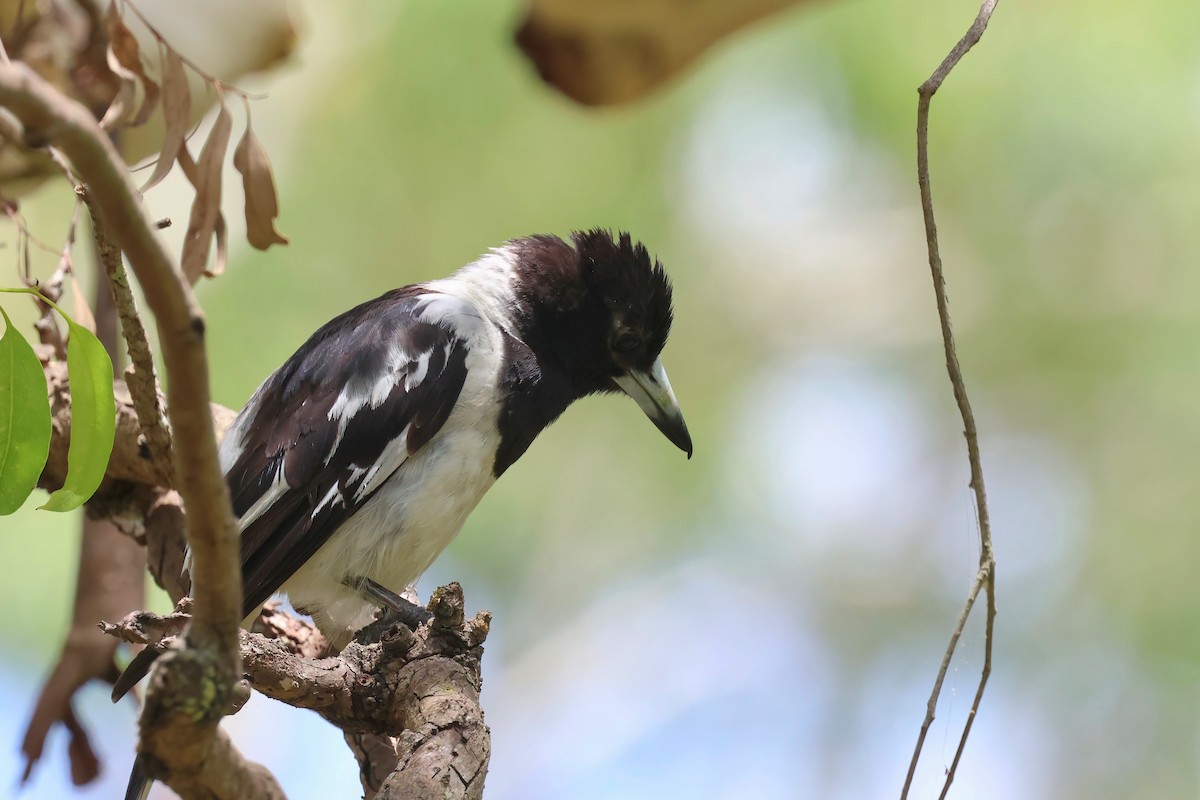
[[399, 608], [445, 616]]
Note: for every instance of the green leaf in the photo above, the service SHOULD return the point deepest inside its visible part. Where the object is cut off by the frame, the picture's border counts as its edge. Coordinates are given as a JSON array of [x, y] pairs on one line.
[[24, 419], [93, 418], [93, 413]]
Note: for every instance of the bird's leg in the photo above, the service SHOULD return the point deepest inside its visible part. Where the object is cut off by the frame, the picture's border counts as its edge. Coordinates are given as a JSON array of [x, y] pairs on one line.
[[410, 614]]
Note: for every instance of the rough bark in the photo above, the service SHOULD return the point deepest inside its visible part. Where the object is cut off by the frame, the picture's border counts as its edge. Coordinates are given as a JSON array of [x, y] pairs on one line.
[[407, 700], [131, 460]]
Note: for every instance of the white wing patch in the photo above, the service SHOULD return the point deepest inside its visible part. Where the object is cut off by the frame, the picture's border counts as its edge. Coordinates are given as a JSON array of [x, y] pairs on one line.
[[354, 398], [360, 394], [234, 442], [368, 479], [276, 490], [334, 495], [230, 450], [393, 455], [417, 375]]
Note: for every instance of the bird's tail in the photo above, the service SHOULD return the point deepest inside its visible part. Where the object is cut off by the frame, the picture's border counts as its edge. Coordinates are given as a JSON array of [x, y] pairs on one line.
[[139, 782], [136, 670]]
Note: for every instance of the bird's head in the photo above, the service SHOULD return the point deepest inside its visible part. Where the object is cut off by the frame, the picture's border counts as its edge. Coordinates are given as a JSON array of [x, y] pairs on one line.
[[602, 311]]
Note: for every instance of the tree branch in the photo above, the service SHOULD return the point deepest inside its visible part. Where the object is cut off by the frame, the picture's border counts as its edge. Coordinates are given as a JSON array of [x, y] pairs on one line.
[[377, 759], [408, 701], [131, 460], [191, 690], [109, 583], [985, 578], [143, 382]]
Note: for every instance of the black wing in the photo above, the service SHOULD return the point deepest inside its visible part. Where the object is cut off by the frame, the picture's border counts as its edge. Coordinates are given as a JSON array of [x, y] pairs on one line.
[[328, 427]]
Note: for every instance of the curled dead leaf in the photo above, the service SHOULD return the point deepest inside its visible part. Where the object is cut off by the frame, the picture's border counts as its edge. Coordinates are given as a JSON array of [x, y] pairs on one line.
[[205, 176], [148, 103], [608, 52], [188, 165], [221, 233], [258, 183], [125, 60], [177, 110], [120, 112]]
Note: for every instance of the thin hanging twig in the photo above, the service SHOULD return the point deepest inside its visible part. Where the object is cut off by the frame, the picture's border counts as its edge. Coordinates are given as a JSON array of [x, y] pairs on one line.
[[985, 578]]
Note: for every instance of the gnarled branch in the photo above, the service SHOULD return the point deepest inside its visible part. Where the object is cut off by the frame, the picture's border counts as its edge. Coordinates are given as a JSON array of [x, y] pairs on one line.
[[192, 687], [407, 700]]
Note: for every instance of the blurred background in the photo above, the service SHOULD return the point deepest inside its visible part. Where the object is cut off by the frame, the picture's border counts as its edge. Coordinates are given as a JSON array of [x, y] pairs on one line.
[[767, 619]]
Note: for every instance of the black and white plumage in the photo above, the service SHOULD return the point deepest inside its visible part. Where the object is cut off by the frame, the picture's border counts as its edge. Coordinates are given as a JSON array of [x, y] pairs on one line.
[[363, 455], [362, 399]]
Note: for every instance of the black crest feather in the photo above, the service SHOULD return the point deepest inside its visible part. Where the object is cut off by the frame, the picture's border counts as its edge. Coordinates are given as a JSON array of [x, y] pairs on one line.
[[622, 271]]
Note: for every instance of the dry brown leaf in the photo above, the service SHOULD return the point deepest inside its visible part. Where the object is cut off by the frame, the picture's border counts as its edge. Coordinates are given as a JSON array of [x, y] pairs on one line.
[[120, 112], [262, 203], [221, 232], [177, 109], [149, 102], [121, 40], [607, 52], [188, 165], [206, 208], [124, 51]]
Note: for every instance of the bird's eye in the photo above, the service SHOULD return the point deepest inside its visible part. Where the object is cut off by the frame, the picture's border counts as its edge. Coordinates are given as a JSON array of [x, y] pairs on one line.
[[627, 343]]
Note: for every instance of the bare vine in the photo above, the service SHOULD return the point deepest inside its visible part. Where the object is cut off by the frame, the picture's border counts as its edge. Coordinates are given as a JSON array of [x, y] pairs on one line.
[[985, 577]]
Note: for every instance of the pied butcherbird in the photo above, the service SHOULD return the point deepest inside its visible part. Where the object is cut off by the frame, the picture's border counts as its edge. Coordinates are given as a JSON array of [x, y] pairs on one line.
[[357, 462]]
